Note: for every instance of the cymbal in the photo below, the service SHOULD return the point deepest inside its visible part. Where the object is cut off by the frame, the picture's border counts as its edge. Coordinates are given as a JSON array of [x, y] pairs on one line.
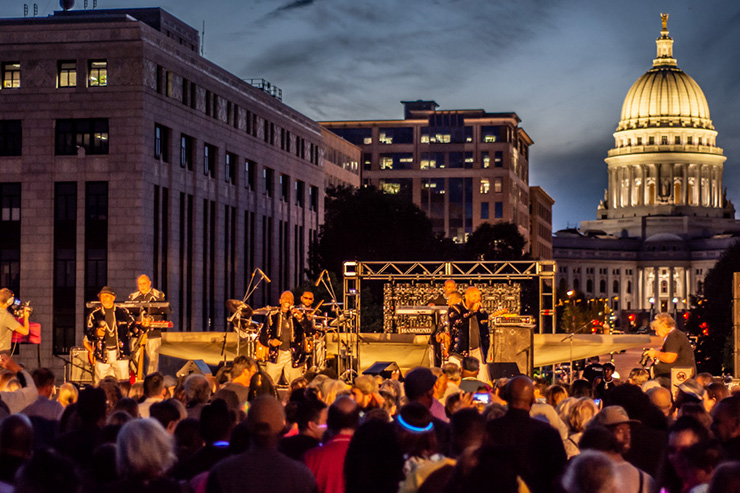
[[238, 305], [333, 303], [264, 310]]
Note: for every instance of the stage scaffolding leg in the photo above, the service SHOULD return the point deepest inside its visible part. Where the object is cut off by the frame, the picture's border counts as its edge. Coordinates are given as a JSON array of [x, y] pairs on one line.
[[352, 303]]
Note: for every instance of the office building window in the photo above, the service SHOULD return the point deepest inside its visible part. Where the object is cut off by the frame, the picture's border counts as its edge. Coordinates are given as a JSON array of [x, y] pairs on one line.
[[11, 75], [300, 193], [162, 143], [313, 195], [489, 134], [485, 159], [186, 152], [485, 185], [268, 179], [284, 187], [498, 159], [250, 174], [11, 138], [356, 136], [230, 171], [89, 134], [97, 73], [65, 266], [209, 160], [484, 210], [498, 185], [498, 210], [67, 74]]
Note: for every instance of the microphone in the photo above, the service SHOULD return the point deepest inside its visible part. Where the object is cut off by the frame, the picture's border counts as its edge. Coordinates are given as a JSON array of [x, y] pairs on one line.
[[321, 276], [264, 276]]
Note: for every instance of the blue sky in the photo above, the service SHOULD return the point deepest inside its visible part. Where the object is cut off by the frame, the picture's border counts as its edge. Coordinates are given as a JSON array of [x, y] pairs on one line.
[[564, 66]]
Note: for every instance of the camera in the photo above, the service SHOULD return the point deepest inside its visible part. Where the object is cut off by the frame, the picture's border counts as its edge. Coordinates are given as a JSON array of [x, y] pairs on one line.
[[16, 309], [644, 359]]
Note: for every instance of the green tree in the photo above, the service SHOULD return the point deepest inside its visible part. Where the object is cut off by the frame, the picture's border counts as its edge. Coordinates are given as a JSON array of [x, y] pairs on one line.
[[500, 241], [367, 224], [710, 317]]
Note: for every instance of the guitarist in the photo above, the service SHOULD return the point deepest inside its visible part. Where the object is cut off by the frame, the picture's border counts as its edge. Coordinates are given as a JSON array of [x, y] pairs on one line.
[[283, 333], [146, 294], [107, 337]]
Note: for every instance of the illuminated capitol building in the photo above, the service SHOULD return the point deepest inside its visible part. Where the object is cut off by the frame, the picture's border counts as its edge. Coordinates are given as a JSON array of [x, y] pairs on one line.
[[664, 220]]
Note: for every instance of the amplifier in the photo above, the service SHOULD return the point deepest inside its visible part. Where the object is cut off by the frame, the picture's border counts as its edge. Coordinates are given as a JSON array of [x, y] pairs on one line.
[[514, 320], [79, 370]]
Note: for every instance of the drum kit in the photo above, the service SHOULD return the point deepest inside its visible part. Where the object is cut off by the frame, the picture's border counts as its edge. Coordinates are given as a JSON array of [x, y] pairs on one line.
[[248, 329]]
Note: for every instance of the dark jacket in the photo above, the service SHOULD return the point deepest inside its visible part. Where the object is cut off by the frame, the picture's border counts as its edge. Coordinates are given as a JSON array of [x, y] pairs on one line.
[[126, 328], [537, 447], [459, 318], [271, 330]]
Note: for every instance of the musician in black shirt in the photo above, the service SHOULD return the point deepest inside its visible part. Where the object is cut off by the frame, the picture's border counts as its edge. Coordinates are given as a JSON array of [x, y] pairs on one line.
[[147, 294]]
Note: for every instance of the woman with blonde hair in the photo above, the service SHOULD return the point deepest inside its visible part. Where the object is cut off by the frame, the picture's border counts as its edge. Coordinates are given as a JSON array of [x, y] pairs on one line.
[[580, 414], [67, 394]]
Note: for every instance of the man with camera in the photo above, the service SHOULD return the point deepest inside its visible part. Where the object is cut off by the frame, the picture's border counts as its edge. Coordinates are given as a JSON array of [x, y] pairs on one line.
[[676, 350], [8, 323]]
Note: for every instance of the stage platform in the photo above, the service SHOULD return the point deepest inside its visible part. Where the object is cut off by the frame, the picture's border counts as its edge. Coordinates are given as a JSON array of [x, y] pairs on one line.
[[406, 350]]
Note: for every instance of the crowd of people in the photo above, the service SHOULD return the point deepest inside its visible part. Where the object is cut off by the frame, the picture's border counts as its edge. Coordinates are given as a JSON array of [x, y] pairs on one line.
[[428, 430]]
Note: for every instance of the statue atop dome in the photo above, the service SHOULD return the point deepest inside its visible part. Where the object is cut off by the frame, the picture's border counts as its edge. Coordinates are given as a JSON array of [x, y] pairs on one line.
[[664, 20]]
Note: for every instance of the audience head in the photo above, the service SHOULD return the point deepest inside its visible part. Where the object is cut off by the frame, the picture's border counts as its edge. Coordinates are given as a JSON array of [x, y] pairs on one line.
[[419, 385], [467, 429], [311, 418], [363, 389], [154, 385], [470, 367], [48, 472], [67, 394], [44, 380], [519, 393], [197, 389], [591, 472], [726, 423], [616, 420], [555, 394], [374, 460], [91, 406], [726, 478], [265, 421], [144, 450], [343, 416], [215, 422], [638, 376], [244, 367], [453, 372], [416, 431], [167, 413], [580, 414], [580, 388], [16, 436], [661, 398]]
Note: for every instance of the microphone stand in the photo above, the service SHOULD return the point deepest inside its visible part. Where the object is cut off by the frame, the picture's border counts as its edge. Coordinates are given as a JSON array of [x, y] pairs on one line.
[[250, 290], [569, 337]]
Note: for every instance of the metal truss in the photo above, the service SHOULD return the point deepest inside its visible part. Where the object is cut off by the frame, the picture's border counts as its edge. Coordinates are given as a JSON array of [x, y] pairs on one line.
[[497, 271]]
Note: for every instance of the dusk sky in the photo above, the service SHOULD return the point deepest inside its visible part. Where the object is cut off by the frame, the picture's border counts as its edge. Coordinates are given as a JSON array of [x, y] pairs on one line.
[[563, 66]]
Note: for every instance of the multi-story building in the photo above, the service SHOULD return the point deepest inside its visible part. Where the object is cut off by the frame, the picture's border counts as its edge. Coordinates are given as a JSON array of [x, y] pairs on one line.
[[664, 220], [462, 167], [123, 151], [540, 223]]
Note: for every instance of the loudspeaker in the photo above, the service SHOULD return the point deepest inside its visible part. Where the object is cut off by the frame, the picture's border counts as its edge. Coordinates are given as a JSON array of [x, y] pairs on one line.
[[512, 344], [194, 366], [502, 370], [79, 371], [382, 368]]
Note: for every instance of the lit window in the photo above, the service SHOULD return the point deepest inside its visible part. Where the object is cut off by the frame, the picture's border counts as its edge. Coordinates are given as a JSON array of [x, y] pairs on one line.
[[664, 140], [498, 185], [689, 140], [677, 140], [97, 73], [390, 187], [11, 75], [485, 185], [639, 141], [67, 74], [485, 159], [386, 162]]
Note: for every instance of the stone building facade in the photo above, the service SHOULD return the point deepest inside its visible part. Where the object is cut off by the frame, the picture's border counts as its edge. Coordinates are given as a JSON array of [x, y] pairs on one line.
[[123, 151]]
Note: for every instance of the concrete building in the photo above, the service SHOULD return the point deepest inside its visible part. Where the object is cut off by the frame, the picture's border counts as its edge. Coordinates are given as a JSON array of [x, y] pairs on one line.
[[540, 223], [462, 167], [123, 151], [664, 220]]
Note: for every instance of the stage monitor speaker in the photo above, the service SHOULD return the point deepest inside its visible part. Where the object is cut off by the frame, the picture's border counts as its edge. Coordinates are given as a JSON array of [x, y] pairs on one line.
[[382, 368], [194, 366], [513, 344], [79, 371], [502, 370]]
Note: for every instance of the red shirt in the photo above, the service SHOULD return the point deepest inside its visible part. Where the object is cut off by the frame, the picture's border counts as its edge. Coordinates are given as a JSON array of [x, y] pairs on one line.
[[326, 462]]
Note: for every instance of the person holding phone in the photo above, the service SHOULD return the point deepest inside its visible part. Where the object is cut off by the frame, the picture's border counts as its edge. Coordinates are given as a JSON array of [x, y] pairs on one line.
[[8, 323]]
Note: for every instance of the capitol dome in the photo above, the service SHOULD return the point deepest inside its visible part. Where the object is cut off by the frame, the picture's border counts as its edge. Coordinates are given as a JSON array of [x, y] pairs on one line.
[[665, 96]]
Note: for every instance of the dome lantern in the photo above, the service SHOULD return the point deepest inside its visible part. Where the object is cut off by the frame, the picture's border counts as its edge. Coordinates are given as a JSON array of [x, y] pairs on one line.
[[665, 46]]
